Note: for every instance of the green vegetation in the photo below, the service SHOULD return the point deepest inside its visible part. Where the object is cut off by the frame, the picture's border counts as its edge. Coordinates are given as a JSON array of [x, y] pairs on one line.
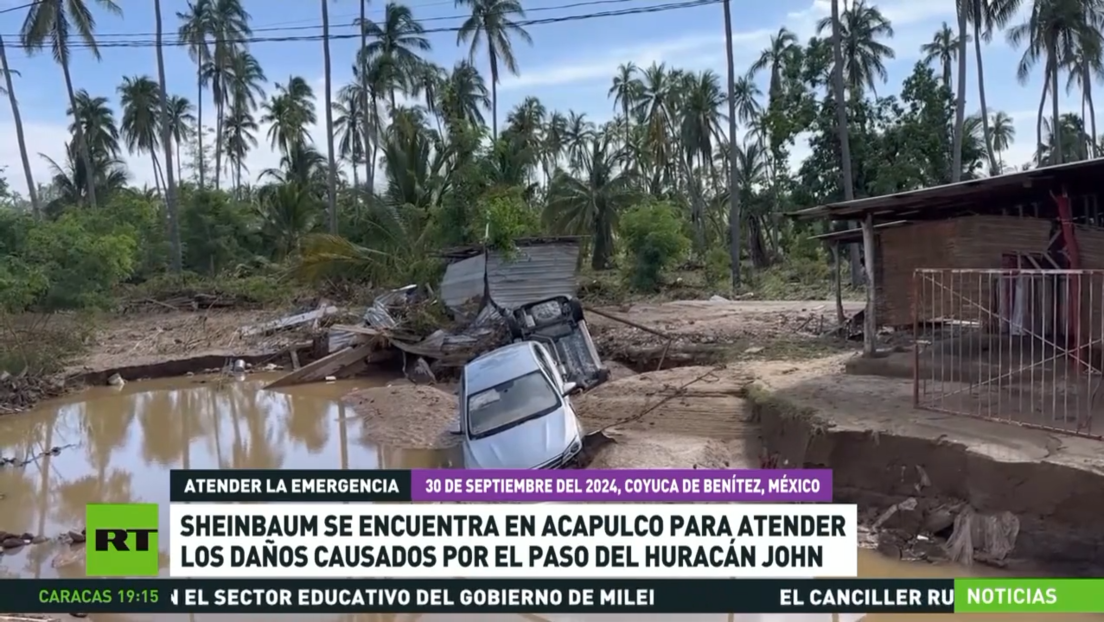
[[664, 194]]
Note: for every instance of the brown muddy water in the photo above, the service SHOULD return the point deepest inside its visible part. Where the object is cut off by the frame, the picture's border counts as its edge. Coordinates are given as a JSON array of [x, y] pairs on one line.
[[117, 445]]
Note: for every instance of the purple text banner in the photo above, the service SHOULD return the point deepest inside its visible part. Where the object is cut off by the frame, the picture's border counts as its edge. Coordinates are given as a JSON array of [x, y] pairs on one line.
[[625, 485]]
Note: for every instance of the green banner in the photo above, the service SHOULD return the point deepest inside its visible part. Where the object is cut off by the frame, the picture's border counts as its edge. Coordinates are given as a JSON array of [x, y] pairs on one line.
[[1029, 595]]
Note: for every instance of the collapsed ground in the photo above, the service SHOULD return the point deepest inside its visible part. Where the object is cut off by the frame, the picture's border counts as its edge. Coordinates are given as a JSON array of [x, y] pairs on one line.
[[746, 384]]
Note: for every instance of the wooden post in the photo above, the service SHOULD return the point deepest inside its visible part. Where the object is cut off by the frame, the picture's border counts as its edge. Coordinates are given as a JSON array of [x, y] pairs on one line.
[[840, 318], [870, 325]]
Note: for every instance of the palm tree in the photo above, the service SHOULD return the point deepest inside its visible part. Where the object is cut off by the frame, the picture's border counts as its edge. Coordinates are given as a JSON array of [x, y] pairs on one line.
[[960, 94], [1004, 132], [465, 94], [229, 24], [1051, 33], [350, 131], [733, 200], [589, 203], [494, 20], [240, 137], [289, 114], [1086, 66], [96, 124], [774, 58], [625, 90], [288, 213], [141, 102], [864, 55], [180, 127], [394, 47], [841, 124], [988, 16], [166, 143], [197, 25], [942, 49], [331, 174], [51, 22], [32, 189]]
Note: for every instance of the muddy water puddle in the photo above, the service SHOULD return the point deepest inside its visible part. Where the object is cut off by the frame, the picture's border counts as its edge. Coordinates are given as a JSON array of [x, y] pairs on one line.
[[118, 444]]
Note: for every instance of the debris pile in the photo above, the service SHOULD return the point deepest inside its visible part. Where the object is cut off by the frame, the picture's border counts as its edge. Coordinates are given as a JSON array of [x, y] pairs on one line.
[[21, 392]]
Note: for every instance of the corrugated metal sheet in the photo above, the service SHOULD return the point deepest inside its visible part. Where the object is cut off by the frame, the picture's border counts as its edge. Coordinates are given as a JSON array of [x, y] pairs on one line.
[[532, 273], [463, 282]]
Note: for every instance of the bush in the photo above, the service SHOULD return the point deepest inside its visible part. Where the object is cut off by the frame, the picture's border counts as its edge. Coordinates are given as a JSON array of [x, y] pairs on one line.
[[718, 267], [654, 241]]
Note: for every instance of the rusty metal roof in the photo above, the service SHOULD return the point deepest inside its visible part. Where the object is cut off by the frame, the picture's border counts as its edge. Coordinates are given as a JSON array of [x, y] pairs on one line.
[[973, 196]]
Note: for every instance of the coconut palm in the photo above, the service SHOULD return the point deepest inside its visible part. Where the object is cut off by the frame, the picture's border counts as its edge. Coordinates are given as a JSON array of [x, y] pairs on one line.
[[1051, 34], [942, 49], [331, 172], [141, 102], [166, 144], [181, 126], [590, 201], [1086, 66], [32, 189], [50, 22], [288, 213], [987, 17], [733, 110], [960, 94], [72, 178], [350, 131], [494, 23], [465, 95], [394, 44], [229, 24], [289, 114], [774, 58], [96, 125], [625, 90], [240, 136], [745, 98], [196, 28], [862, 27], [847, 182], [1003, 133]]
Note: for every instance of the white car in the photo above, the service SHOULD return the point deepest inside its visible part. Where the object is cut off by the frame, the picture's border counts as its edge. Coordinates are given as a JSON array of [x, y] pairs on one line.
[[515, 412]]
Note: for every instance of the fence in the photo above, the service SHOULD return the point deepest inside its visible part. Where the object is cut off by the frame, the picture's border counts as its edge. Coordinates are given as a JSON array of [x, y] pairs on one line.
[[1011, 345]]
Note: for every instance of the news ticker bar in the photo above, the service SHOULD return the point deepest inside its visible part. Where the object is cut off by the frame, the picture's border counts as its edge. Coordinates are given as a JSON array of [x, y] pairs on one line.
[[554, 596], [497, 485]]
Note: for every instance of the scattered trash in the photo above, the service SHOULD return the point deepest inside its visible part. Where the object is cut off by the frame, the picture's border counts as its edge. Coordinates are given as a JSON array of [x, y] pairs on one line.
[[287, 322], [116, 380]]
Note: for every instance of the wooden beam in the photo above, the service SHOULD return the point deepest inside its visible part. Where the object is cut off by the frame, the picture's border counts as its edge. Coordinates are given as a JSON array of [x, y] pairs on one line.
[[870, 325], [326, 366]]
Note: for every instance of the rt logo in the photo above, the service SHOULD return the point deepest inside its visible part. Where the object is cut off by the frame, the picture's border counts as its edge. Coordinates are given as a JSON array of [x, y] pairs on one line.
[[124, 540]]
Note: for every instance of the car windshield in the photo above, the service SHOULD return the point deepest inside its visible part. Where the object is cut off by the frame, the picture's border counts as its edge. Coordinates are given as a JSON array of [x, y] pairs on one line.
[[511, 403]]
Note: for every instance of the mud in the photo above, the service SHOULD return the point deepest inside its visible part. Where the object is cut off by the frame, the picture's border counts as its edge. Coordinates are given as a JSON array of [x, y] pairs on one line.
[[406, 416], [882, 452]]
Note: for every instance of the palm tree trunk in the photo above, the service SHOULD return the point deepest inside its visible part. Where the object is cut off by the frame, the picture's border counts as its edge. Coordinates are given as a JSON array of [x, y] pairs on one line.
[[494, 92], [157, 183], [356, 187], [841, 109], [1039, 116], [331, 173], [166, 144], [78, 135], [1057, 128], [960, 96], [734, 215], [32, 189], [199, 126], [1088, 100], [179, 164], [993, 170], [219, 109]]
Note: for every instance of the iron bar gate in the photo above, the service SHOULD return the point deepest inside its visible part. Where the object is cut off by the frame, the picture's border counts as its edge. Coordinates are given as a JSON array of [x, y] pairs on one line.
[[1019, 346]]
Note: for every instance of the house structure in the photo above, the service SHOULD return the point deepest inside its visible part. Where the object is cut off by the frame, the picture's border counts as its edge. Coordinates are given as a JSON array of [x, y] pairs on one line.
[[1050, 218]]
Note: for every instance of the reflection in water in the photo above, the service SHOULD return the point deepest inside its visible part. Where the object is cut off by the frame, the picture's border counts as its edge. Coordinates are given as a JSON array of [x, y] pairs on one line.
[[127, 439]]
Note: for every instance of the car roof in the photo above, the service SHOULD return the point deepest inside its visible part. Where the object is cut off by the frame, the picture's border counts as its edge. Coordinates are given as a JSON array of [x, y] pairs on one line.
[[501, 365]]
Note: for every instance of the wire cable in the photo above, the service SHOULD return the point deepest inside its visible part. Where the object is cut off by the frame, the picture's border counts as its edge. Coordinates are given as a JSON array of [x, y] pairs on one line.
[[176, 42]]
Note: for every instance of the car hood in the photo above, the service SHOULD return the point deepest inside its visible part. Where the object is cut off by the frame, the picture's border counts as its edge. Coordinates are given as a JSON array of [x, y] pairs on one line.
[[529, 445]]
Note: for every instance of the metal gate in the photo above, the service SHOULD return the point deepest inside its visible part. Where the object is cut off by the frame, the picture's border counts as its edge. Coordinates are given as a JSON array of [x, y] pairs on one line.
[[1011, 345]]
